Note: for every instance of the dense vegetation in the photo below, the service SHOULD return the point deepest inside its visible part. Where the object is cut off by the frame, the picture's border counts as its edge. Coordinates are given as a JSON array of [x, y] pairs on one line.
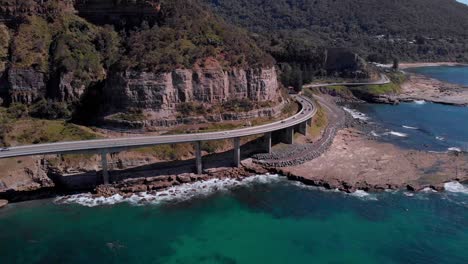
[[296, 30], [77, 52], [184, 34]]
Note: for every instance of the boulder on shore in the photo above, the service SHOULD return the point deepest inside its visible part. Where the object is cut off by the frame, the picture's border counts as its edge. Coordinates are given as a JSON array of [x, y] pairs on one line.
[[3, 203]]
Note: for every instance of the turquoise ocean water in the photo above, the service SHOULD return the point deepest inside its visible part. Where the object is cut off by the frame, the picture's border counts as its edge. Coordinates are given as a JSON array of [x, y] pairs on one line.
[[423, 125], [266, 219]]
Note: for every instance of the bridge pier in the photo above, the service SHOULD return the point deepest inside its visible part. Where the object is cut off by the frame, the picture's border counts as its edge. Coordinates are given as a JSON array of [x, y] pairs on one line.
[[309, 122], [303, 128], [105, 172], [236, 152], [288, 135], [267, 142], [198, 154]]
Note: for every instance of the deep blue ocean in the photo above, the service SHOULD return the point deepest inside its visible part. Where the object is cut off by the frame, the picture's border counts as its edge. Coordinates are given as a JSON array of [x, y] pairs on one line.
[[265, 219], [452, 74]]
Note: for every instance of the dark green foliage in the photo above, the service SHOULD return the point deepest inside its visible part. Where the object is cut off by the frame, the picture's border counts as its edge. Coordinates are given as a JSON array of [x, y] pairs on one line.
[[4, 45], [73, 50], [190, 109], [238, 105], [186, 33], [17, 110], [31, 44], [48, 109], [426, 30]]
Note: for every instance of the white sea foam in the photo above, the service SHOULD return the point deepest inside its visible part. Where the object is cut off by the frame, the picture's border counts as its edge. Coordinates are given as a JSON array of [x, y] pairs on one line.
[[397, 134], [440, 138], [456, 187], [428, 190], [454, 149], [364, 195], [419, 102], [373, 133], [177, 193], [356, 114], [410, 127]]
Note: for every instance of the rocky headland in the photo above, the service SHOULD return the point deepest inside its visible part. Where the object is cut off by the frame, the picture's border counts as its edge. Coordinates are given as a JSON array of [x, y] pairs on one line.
[[419, 87]]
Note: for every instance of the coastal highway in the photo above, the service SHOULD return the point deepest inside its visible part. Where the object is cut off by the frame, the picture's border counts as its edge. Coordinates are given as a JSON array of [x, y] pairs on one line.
[[383, 80], [307, 111]]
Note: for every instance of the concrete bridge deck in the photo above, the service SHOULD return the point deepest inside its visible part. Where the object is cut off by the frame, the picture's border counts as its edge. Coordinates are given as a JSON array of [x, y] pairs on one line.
[[285, 128]]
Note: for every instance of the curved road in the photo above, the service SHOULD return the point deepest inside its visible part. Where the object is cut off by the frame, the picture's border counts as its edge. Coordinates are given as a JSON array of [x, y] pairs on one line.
[[383, 80], [307, 111]]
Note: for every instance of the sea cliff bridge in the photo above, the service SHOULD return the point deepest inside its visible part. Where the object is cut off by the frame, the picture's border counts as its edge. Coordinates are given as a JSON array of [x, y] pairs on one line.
[[283, 129]]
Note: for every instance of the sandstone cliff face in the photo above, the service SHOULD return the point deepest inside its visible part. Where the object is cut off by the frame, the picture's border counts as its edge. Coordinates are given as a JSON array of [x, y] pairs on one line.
[[163, 91], [25, 85], [67, 88]]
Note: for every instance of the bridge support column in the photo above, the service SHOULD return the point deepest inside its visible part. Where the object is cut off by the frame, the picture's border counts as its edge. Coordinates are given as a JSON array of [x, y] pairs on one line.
[[267, 142], [288, 136], [303, 128], [236, 152], [105, 172], [198, 157], [309, 122]]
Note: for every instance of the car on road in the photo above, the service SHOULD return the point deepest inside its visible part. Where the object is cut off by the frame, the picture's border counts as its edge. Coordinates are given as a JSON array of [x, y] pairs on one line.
[[282, 122], [4, 149]]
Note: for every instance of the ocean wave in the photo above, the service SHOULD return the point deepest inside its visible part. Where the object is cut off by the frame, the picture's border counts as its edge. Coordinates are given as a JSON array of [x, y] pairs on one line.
[[419, 102], [356, 114], [455, 149], [364, 195], [410, 127], [397, 134], [374, 134], [428, 190], [440, 138], [179, 193], [456, 187]]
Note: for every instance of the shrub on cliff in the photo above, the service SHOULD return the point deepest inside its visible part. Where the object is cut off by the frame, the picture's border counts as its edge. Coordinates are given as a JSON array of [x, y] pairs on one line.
[[48, 109], [238, 105], [4, 45], [190, 109], [31, 44], [75, 50]]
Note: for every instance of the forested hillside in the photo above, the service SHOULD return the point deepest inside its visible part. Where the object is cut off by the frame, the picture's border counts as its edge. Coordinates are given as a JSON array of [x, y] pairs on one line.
[[56, 55], [422, 30]]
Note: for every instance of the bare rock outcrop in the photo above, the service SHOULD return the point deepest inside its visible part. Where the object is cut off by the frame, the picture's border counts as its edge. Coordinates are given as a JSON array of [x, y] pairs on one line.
[[25, 85], [209, 84]]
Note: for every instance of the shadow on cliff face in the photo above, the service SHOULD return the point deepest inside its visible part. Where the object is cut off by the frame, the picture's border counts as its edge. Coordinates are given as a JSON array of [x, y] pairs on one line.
[[88, 110]]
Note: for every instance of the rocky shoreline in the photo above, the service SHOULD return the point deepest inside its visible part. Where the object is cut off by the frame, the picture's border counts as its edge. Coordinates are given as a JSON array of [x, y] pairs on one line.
[[357, 162], [419, 87], [152, 185], [346, 157], [423, 88]]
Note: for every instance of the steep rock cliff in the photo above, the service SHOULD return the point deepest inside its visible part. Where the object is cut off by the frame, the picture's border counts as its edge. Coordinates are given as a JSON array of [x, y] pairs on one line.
[[25, 85], [211, 85]]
